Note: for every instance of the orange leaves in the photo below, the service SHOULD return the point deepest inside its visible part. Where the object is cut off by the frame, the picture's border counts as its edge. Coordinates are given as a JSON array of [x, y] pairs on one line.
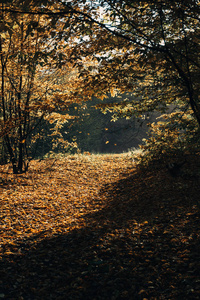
[[54, 194], [87, 223]]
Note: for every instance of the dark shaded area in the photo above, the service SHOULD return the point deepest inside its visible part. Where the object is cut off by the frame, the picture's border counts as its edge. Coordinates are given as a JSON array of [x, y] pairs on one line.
[[144, 243], [96, 132]]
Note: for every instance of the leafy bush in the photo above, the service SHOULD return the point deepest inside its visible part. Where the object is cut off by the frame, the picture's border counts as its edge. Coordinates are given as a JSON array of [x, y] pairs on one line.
[[170, 139]]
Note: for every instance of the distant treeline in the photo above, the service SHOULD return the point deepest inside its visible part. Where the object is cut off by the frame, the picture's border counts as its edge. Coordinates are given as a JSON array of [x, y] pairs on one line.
[[92, 130]]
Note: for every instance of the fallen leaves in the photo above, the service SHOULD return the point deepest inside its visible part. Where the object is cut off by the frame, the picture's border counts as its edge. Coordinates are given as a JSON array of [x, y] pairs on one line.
[[94, 227]]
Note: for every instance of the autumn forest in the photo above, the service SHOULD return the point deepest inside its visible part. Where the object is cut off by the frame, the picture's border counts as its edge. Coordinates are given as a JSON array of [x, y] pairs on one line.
[[99, 149]]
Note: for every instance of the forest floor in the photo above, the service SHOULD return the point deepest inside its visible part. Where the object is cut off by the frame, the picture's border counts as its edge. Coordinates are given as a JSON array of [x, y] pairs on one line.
[[97, 227]]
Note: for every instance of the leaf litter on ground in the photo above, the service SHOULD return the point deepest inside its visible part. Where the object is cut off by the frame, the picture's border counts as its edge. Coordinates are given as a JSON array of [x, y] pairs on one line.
[[97, 227]]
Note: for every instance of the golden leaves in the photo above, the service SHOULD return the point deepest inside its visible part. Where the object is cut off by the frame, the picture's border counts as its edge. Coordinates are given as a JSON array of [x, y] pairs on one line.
[[96, 219], [37, 201]]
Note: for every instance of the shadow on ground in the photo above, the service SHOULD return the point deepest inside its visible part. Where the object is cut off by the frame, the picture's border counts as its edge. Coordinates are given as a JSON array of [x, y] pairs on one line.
[[143, 244]]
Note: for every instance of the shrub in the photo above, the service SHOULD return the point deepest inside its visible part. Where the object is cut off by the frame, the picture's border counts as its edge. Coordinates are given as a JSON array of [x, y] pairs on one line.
[[170, 139]]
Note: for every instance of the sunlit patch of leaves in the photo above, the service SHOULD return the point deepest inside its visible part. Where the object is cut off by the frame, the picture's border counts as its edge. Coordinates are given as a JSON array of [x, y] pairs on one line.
[[96, 227]]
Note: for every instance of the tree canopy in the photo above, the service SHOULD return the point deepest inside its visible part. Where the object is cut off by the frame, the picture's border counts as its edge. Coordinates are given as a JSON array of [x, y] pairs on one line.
[[33, 88], [148, 48]]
